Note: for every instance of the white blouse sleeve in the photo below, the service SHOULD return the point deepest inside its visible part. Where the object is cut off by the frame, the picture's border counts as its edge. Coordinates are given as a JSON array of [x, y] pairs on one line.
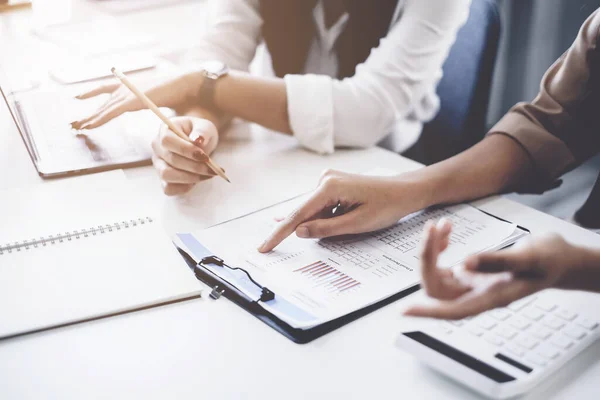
[[233, 35], [361, 110]]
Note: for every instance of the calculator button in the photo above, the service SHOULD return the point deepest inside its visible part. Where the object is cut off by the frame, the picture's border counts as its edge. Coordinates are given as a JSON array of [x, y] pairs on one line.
[[519, 322], [458, 323], [566, 314], [485, 322], [526, 341], [533, 314], [548, 352], [520, 304], [546, 305], [574, 332], [587, 323], [541, 332], [535, 359], [506, 332], [494, 339], [554, 323], [445, 327], [499, 315], [475, 330], [561, 342], [516, 350]]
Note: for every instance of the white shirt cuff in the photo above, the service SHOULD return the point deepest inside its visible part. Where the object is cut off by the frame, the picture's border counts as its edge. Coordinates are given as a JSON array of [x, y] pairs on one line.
[[310, 110]]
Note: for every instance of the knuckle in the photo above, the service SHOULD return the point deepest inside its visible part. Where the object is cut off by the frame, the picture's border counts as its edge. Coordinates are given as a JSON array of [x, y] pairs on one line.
[[164, 173], [164, 139], [319, 231], [331, 181], [170, 158], [327, 172]]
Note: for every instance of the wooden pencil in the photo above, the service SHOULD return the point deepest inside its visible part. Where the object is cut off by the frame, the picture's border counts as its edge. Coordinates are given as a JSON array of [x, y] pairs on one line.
[[148, 103]]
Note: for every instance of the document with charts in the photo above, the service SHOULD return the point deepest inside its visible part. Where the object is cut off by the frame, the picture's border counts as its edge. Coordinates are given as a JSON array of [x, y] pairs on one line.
[[333, 277]]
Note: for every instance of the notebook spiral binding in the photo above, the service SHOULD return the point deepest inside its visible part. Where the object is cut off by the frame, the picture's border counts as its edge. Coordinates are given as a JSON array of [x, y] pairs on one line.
[[70, 236]]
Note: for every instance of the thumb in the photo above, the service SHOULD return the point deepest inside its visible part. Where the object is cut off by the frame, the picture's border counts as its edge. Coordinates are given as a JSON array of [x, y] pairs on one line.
[[203, 133], [345, 224]]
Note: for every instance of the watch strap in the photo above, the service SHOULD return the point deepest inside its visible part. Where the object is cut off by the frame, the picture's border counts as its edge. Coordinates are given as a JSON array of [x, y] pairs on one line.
[[206, 94]]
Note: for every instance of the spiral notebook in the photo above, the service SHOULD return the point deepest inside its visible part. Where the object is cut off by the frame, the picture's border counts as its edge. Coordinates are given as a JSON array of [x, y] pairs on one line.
[[80, 250]]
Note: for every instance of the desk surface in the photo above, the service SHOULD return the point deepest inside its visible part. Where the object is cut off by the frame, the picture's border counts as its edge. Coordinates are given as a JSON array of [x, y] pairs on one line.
[[204, 348]]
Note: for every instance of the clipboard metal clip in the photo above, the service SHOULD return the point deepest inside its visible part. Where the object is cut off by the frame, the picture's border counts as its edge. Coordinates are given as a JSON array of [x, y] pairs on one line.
[[215, 294], [266, 293]]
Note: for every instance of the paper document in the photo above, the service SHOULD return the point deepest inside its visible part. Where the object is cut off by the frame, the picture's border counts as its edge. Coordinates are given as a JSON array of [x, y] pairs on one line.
[[333, 277]]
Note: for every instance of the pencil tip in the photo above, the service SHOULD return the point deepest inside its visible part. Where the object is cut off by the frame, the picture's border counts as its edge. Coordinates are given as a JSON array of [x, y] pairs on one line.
[[113, 69]]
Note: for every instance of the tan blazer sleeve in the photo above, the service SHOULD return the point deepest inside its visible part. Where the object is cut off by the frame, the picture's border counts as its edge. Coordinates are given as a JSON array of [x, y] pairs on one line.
[[560, 128]]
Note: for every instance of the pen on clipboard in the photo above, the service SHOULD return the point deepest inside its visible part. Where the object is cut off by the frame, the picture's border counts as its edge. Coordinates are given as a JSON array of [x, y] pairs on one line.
[[148, 103]]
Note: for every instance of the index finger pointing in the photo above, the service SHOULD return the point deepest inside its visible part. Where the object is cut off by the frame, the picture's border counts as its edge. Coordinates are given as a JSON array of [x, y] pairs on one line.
[[315, 204]]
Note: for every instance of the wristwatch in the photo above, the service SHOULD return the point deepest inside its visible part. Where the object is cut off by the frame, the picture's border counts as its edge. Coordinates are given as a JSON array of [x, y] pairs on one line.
[[211, 71]]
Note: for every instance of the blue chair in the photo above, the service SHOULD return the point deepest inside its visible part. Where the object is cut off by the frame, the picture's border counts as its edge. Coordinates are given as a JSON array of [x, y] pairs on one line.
[[464, 90]]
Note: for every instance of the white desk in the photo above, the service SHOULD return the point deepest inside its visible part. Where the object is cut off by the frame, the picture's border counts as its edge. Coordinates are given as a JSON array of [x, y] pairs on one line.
[[212, 349]]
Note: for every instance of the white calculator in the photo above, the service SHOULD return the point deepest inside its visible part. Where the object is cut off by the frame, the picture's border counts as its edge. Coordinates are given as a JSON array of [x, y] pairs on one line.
[[507, 351]]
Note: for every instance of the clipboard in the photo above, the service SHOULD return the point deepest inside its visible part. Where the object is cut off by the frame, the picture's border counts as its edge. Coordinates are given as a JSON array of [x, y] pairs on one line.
[[222, 288]]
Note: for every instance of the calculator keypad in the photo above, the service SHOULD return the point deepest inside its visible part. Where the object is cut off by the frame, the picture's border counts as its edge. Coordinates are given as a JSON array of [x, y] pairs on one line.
[[535, 332]]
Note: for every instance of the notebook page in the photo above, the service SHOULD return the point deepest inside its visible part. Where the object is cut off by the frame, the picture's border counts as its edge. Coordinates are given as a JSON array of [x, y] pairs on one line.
[[333, 277], [95, 276], [120, 259], [67, 205]]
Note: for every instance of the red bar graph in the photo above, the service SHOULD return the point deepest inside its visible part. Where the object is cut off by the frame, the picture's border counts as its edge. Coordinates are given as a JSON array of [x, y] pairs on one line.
[[328, 277]]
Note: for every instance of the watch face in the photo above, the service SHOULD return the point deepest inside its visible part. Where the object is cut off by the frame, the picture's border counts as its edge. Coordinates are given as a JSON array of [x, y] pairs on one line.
[[215, 68]]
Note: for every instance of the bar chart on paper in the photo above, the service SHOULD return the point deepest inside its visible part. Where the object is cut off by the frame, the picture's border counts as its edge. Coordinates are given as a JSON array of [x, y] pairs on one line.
[[328, 278]]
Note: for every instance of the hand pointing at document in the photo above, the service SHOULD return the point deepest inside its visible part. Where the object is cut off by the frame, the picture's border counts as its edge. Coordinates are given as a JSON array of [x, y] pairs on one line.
[[347, 204]]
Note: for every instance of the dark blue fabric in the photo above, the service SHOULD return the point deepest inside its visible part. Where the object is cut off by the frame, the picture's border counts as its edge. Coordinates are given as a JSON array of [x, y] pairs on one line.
[[464, 90]]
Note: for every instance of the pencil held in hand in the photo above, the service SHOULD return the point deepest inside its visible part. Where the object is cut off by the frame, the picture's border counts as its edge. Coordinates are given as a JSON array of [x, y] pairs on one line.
[[148, 103]]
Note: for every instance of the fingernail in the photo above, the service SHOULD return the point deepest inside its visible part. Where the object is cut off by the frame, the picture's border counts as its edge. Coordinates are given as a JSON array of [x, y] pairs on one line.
[[196, 138], [302, 232], [200, 156], [260, 248], [443, 223], [79, 96]]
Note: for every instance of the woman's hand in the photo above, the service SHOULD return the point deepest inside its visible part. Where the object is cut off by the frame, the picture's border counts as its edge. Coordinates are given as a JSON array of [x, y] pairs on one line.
[[492, 280], [176, 93], [178, 162], [348, 204]]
